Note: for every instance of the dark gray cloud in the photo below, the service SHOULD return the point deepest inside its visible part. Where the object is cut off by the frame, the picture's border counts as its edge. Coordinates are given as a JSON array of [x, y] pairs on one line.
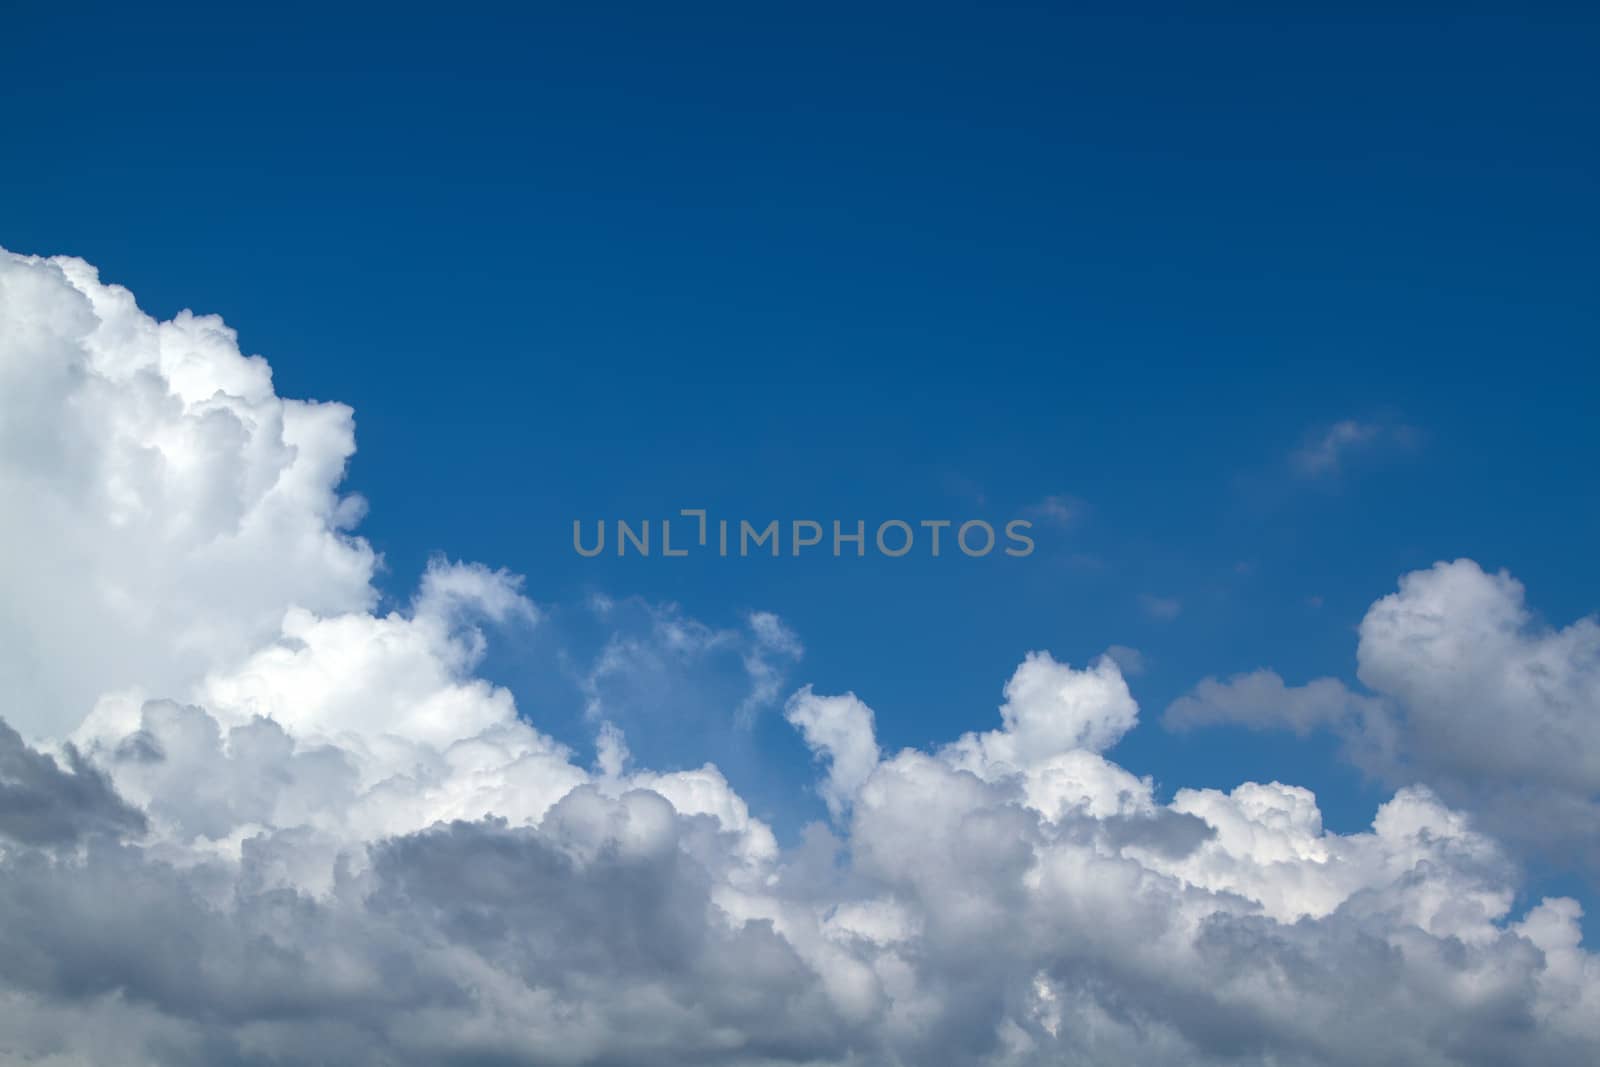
[[45, 803], [966, 927]]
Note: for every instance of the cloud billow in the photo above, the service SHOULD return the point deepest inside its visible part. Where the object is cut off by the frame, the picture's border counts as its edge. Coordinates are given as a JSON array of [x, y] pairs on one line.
[[277, 826], [1498, 713]]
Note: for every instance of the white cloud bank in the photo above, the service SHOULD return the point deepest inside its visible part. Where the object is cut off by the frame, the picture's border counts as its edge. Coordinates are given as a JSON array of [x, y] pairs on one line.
[[290, 830]]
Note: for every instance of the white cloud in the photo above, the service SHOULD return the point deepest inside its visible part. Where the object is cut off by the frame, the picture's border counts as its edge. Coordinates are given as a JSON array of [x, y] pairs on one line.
[[1261, 700], [840, 730], [1495, 711], [163, 505], [1050, 709], [293, 830], [1491, 705]]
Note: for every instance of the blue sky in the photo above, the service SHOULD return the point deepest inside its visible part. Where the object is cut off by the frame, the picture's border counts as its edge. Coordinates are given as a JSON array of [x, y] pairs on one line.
[[915, 262]]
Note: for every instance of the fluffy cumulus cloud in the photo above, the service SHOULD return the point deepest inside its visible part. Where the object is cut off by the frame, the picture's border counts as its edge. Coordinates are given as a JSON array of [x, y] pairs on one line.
[[1470, 693], [244, 818], [162, 502]]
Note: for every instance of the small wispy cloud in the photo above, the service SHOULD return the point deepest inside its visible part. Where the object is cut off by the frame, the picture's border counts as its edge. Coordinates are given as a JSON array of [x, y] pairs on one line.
[[1128, 660], [1260, 700], [1059, 509], [1161, 608], [1327, 450]]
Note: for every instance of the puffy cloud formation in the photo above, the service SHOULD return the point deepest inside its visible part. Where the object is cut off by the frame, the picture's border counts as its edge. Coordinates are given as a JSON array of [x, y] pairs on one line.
[[273, 826], [162, 503], [1496, 712]]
